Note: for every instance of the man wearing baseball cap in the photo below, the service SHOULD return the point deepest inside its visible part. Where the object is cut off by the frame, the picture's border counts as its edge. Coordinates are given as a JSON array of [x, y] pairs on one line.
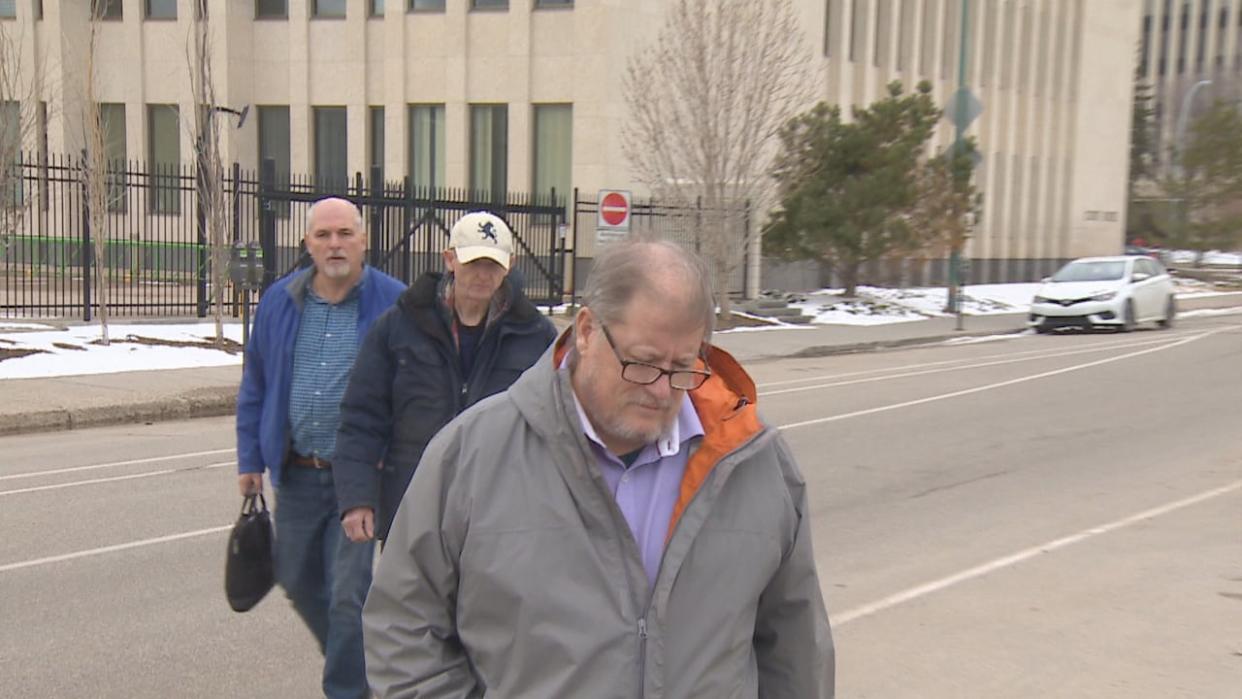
[[451, 340]]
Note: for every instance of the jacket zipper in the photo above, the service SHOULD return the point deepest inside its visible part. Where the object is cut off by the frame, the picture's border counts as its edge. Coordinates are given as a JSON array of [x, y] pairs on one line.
[[642, 656]]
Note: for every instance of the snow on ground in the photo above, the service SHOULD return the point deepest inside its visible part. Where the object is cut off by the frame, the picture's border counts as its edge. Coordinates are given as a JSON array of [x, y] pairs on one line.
[[72, 351], [1215, 257], [877, 305]]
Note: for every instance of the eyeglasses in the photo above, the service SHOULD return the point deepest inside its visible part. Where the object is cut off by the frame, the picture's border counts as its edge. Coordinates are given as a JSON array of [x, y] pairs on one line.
[[646, 374]]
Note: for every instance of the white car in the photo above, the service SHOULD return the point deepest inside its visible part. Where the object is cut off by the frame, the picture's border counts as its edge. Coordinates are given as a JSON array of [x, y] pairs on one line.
[[1117, 292]]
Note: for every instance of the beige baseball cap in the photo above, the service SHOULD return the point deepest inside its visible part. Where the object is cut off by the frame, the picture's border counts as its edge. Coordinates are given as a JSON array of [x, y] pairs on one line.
[[481, 234]]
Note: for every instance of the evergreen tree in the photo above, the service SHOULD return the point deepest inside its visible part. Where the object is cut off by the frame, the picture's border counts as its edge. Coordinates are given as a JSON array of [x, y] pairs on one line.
[[847, 190]]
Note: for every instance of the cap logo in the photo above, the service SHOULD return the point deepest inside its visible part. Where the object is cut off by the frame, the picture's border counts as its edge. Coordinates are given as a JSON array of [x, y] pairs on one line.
[[488, 231]]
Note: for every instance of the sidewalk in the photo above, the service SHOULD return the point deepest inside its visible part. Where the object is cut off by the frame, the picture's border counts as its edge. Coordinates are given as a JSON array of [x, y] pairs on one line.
[[35, 405]]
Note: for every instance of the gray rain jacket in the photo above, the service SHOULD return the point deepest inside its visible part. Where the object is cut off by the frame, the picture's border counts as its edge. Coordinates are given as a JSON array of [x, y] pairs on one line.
[[511, 573]]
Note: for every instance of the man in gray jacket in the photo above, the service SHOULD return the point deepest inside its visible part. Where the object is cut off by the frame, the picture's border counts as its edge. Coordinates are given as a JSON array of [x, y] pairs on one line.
[[620, 523]]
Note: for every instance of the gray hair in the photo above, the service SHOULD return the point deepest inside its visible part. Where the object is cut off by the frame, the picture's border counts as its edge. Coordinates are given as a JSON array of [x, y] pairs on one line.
[[310, 213], [627, 267]]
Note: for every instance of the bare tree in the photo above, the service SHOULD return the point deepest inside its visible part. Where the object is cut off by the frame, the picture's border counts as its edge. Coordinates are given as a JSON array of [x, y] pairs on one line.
[[19, 98], [96, 175], [210, 178], [706, 100]]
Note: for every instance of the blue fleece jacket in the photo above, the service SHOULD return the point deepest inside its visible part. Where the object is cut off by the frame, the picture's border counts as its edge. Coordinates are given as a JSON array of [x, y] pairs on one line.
[[263, 400]]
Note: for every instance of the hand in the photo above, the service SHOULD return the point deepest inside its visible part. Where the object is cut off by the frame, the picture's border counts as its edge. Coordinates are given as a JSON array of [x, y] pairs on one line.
[[249, 483], [359, 524]]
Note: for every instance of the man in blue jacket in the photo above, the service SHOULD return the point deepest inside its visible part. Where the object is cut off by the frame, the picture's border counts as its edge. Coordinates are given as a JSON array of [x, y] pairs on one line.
[[306, 334], [451, 341]]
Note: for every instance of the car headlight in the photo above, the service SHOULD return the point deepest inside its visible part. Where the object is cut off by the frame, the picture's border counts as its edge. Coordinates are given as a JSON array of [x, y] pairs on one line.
[[1041, 299], [1106, 296]]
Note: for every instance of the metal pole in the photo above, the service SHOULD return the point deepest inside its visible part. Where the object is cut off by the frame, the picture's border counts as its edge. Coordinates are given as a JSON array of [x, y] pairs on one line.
[[959, 142], [1181, 115], [1182, 213]]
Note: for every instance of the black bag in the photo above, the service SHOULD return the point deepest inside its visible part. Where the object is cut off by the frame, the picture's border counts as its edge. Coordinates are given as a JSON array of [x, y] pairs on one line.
[[248, 570]]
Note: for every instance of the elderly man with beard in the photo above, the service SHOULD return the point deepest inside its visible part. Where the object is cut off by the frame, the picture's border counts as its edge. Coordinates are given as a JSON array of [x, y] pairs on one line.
[[620, 523], [306, 334]]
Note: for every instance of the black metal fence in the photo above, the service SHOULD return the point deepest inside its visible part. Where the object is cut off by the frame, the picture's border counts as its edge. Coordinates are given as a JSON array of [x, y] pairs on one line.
[[157, 255], [689, 226]]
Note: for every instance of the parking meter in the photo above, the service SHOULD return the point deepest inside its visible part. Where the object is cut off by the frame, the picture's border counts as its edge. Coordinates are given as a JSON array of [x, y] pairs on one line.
[[246, 273]]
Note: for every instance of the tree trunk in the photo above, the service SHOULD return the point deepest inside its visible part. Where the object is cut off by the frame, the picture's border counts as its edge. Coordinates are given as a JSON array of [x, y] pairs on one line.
[[849, 277], [724, 318]]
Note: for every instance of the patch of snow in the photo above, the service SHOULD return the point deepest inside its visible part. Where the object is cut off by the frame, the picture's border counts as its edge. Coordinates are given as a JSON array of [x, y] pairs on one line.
[[77, 356]]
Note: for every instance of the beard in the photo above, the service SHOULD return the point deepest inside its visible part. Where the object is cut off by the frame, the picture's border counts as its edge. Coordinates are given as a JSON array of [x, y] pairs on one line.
[[337, 269], [611, 415]]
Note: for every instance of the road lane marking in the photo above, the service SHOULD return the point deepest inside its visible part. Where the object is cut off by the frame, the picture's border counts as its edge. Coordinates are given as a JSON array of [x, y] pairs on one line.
[[113, 479], [941, 370], [113, 464], [839, 620], [112, 549], [1164, 337], [998, 384]]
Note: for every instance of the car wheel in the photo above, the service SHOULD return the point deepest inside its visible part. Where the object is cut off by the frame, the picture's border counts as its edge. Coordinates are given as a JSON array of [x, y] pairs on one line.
[[1128, 321], [1170, 312], [1042, 329]]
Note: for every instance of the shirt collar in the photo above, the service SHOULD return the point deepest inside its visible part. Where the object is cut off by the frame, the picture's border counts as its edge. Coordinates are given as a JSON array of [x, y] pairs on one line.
[[355, 292]]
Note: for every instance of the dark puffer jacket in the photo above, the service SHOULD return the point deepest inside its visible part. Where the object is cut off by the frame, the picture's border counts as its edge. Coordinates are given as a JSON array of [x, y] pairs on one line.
[[407, 383]]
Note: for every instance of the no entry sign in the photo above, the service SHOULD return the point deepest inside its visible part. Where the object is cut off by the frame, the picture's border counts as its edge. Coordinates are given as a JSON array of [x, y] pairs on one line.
[[614, 210]]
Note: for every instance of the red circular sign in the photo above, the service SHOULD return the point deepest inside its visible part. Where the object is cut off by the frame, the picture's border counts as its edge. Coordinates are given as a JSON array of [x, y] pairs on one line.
[[614, 209]]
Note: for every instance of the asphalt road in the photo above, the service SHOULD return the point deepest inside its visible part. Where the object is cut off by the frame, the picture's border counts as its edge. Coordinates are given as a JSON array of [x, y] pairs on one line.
[[1027, 517]]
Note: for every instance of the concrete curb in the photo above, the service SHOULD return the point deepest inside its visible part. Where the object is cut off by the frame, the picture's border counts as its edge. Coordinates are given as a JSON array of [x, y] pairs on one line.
[[879, 345], [208, 402]]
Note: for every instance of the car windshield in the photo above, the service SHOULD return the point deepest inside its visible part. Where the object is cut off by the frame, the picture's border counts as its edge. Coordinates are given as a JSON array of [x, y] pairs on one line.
[[1090, 272]]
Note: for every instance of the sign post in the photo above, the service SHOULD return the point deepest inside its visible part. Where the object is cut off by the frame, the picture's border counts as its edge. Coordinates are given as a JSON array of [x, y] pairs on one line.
[[612, 221]]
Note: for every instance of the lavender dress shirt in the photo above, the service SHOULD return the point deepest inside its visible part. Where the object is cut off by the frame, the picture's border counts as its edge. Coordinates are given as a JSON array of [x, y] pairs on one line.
[[648, 489]]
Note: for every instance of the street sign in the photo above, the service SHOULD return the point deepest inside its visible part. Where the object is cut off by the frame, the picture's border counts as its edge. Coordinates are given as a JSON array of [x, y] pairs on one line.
[[614, 210], [971, 107]]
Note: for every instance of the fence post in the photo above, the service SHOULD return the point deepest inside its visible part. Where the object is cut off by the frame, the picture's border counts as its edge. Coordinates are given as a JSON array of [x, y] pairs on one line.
[[88, 254], [698, 224], [267, 221], [236, 224], [376, 209], [236, 201], [200, 221], [573, 253]]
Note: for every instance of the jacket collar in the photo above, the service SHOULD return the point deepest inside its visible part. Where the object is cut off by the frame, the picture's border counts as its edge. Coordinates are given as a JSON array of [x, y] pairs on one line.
[[300, 284]]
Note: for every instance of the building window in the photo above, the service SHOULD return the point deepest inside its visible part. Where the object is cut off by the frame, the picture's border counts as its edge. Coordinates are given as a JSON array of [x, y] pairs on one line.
[[489, 150], [489, 4], [828, 5], [858, 29], [927, 44], [11, 151], [331, 151], [8, 9], [553, 147], [274, 145], [376, 8], [553, 3], [107, 9], [329, 8], [375, 142], [38, 9], [161, 9], [112, 124], [883, 32], [427, 145], [271, 9], [164, 157], [904, 22], [427, 5]]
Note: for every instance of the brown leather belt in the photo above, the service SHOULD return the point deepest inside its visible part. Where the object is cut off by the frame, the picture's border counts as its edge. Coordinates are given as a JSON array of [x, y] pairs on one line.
[[296, 459]]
